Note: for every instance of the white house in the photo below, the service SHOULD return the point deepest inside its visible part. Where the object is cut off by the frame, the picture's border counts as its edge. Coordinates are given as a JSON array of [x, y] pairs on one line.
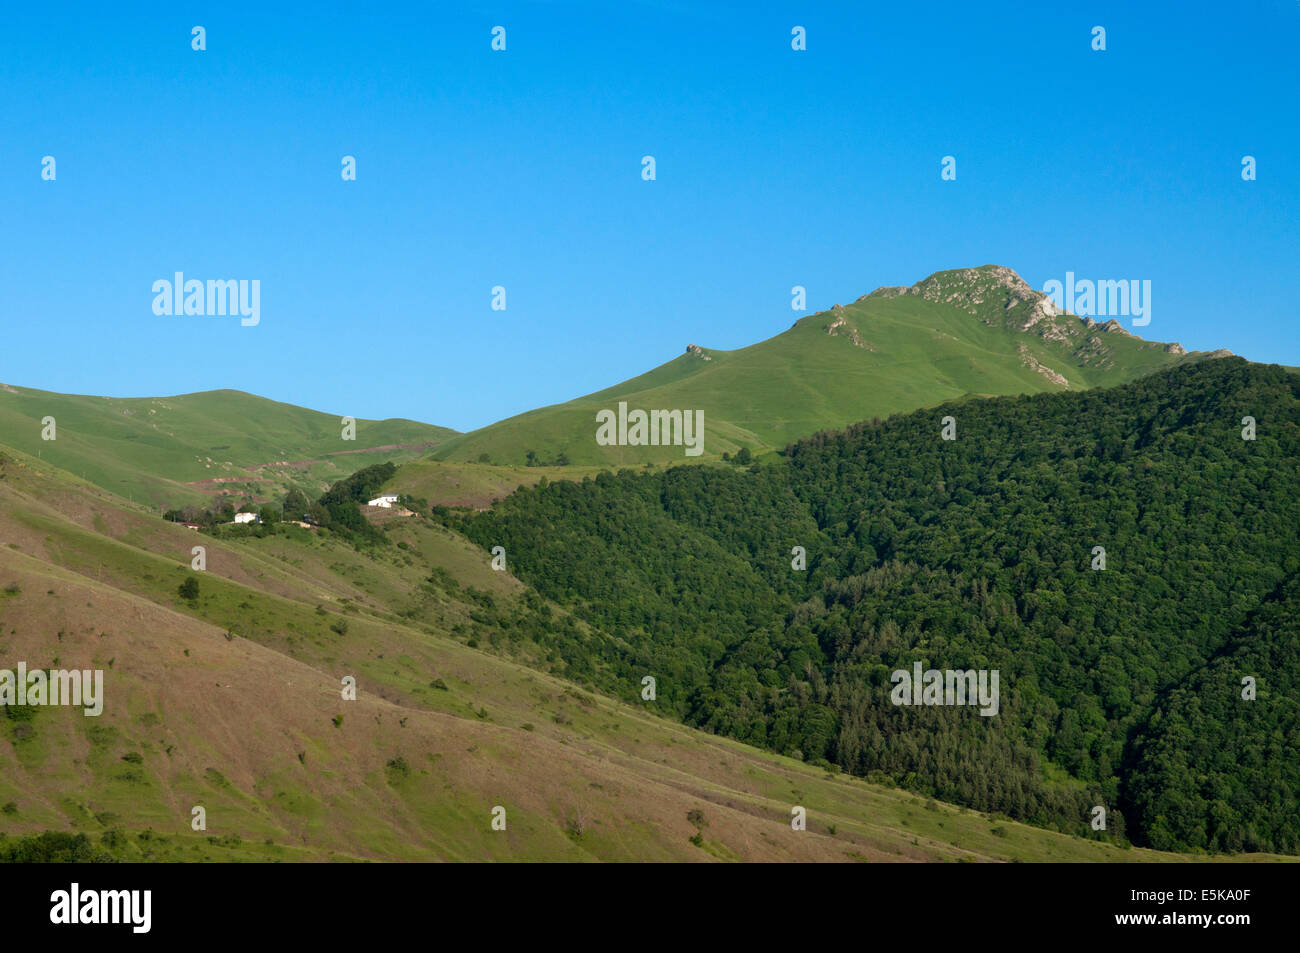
[[386, 501], [245, 517]]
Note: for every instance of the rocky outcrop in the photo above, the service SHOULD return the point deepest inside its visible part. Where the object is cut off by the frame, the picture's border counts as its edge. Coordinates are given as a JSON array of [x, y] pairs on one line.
[[976, 290], [1094, 352], [1038, 366], [1000, 298], [970, 288], [840, 327], [696, 349]]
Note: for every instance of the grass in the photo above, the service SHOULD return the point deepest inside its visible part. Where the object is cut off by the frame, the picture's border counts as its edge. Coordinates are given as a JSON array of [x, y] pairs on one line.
[[151, 448], [440, 733], [916, 353]]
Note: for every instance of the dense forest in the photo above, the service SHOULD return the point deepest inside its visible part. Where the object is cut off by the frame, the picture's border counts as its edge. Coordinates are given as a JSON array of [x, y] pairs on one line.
[[1121, 686]]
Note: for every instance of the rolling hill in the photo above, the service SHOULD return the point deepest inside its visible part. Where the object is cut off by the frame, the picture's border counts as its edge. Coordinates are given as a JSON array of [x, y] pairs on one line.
[[170, 451], [980, 331]]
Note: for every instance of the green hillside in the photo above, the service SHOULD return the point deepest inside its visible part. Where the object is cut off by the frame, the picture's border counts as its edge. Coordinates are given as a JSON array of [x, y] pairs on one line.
[[1121, 682], [185, 449], [976, 331], [522, 688], [231, 701], [476, 485]]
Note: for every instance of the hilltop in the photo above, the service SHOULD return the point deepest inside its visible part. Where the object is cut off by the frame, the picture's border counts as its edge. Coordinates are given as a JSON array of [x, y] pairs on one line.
[[971, 331], [169, 451], [966, 332]]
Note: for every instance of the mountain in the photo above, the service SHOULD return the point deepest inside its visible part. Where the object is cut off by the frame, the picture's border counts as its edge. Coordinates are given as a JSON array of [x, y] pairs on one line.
[[170, 451], [231, 702], [522, 688], [1124, 558], [977, 331], [970, 331]]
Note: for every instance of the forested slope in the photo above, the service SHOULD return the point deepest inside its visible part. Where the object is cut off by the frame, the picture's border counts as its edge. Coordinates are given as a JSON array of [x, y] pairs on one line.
[[1119, 688]]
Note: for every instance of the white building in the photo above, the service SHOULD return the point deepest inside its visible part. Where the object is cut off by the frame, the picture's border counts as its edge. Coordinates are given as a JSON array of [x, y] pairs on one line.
[[245, 517], [386, 501]]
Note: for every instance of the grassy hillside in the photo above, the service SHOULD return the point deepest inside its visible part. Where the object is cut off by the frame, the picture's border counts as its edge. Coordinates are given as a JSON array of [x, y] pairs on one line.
[[476, 485], [233, 703], [185, 449], [973, 331]]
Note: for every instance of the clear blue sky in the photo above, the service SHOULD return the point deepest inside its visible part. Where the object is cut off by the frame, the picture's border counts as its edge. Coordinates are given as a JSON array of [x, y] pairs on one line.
[[522, 169]]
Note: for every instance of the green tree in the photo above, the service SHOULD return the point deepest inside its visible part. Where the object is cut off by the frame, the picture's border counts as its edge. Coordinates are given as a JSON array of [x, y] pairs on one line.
[[295, 504]]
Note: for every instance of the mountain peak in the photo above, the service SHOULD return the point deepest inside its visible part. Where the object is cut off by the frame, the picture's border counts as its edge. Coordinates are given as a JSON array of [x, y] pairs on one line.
[[972, 288], [998, 297]]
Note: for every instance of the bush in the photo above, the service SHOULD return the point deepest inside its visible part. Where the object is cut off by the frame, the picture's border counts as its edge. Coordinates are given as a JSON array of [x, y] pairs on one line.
[[52, 847], [189, 589]]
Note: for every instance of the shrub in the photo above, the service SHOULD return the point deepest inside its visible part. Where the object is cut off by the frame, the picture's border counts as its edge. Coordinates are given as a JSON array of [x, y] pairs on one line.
[[53, 847]]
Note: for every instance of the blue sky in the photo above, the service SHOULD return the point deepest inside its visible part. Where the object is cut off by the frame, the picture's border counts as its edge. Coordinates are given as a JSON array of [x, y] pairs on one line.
[[523, 169]]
